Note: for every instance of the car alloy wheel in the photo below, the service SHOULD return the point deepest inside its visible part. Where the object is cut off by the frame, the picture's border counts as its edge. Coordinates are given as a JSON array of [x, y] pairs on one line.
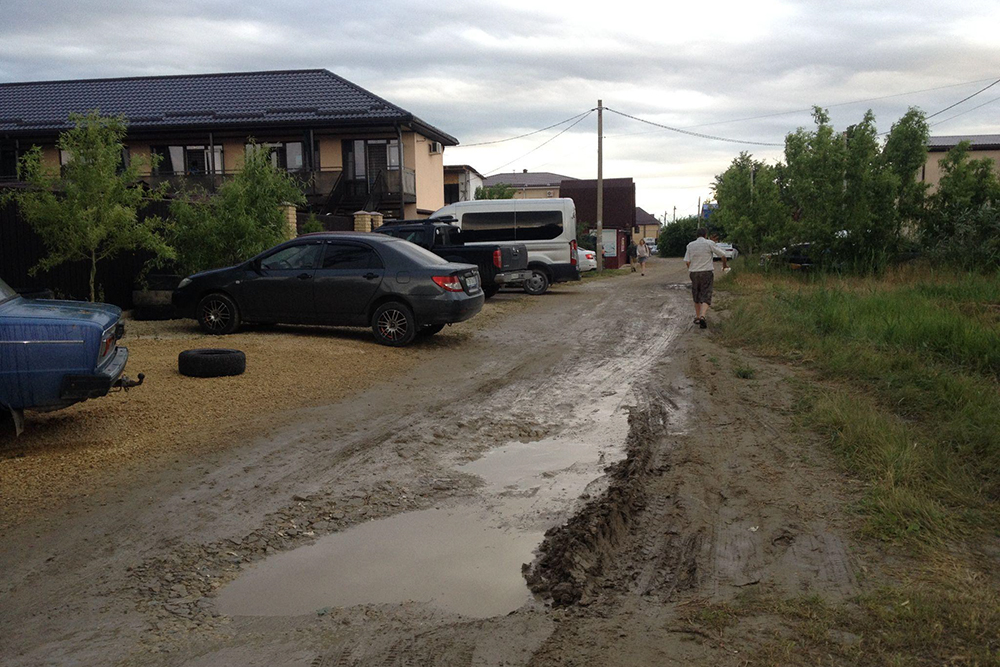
[[537, 284], [393, 324], [217, 314]]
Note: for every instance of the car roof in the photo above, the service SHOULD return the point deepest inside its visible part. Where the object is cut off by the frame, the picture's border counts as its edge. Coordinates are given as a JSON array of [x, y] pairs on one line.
[[349, 236]]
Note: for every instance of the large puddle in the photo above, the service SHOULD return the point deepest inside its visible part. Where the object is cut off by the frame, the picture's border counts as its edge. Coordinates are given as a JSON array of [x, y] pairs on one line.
[[467, 559]]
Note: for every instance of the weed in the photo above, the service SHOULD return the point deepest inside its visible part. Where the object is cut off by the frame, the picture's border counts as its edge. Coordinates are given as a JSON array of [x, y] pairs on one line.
[[744, 372]]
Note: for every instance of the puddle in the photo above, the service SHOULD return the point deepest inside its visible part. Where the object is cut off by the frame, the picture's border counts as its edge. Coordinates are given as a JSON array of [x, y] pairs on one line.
[[466, 560]]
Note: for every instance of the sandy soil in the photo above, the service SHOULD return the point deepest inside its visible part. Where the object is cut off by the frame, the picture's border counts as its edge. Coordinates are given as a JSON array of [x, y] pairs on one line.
[[709, 490]]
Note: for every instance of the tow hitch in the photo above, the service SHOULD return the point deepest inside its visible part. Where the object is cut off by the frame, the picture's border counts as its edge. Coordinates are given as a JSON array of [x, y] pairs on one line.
[[126, 383]]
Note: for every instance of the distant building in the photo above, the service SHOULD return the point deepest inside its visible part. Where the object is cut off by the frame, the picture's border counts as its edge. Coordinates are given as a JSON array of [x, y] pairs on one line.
[[981, 146], [531, 185], [460, 183], [619, 202], [647, 224], [350, 148]]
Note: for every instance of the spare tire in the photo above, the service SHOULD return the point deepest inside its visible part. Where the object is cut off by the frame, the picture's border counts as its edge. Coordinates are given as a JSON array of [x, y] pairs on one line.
[[211, 363]]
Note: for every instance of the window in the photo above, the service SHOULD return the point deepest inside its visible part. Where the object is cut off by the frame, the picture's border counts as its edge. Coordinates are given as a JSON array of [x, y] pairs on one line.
[[296, 257], [187, 160], [512, 226], [287, 156], [392, 154], [342, 256], [8, 163], [451, 193], [490, 226]]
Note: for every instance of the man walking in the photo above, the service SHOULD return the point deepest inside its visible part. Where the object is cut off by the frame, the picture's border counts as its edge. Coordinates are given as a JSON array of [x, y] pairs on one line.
[[698, 258], [630, 252]]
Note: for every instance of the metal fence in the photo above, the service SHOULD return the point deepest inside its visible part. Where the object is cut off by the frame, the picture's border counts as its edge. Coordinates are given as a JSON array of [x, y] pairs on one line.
[[21, 249]]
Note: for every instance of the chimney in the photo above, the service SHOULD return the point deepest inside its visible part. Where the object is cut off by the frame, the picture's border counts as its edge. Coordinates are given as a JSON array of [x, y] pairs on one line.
[[525, 171]]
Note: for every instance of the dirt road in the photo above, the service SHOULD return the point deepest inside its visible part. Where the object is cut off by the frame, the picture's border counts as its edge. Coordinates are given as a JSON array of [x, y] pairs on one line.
[[401, 526]]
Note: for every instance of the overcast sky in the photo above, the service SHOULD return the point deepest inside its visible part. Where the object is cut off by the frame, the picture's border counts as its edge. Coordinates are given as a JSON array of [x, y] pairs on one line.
[[488, 71]]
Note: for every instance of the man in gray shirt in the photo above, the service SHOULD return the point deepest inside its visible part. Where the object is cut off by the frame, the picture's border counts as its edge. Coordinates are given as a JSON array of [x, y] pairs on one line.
[[698, 258]]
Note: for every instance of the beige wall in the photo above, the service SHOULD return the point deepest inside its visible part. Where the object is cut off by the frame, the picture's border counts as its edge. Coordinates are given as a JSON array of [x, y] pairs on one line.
[[429, 168], [646, 231], [932, 168], [537, 193], [50, 157]]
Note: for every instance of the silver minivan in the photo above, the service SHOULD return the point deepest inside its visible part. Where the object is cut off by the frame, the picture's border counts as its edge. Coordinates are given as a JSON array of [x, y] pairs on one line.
[[547, 227]]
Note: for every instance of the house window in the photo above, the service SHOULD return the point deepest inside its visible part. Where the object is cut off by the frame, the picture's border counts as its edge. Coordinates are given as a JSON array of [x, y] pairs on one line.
[[8, 163], [287, 155], [187, 160]]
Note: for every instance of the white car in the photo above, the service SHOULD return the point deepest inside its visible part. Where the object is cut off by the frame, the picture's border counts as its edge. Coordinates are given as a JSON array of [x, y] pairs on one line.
[[728, 249], [586, 259]]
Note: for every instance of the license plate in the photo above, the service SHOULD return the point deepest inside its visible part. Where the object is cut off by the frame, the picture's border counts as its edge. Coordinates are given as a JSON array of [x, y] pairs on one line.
[[473, 282]]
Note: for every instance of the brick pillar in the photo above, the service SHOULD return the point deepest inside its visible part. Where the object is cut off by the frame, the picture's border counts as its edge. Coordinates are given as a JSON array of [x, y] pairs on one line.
[[362, 221], [291, 219], [376, 220]]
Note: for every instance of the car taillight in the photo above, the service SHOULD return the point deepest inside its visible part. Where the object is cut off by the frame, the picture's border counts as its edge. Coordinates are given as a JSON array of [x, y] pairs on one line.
[[497, 259], [449, 283], [572, 252], [107, 346]]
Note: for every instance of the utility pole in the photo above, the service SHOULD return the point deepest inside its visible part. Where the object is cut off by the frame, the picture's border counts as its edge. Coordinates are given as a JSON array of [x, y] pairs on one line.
[[600, 187], [675, 214], [698, 214]]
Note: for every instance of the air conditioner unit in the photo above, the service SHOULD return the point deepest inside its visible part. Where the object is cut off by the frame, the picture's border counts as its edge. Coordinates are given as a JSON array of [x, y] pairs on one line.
[[435, 147]]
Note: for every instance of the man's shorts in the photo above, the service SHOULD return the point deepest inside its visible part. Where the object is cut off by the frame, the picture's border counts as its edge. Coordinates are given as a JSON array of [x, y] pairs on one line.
[[701, 286]]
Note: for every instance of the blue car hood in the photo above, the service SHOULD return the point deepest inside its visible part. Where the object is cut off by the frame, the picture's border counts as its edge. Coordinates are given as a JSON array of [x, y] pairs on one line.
[[102, 314]]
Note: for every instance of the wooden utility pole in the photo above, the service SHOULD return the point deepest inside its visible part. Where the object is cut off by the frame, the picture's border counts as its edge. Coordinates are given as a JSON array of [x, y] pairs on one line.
[[600, 187]]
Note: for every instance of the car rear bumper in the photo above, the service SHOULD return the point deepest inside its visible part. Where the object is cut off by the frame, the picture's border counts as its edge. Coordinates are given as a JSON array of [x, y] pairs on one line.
[[511, 277], [562, 273], [457, 308], [81, 387]]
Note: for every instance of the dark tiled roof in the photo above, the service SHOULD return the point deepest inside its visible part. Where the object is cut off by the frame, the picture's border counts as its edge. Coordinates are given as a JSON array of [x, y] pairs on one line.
[[642, 217], [531, 179], [981, 141], [316, 97]]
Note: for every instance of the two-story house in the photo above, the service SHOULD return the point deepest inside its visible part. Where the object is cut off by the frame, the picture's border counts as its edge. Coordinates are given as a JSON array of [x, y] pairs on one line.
[[352, 149]]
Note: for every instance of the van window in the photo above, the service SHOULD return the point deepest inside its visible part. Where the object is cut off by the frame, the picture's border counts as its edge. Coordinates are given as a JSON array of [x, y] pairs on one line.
[[539, 225], [489, 226], [512, 226]]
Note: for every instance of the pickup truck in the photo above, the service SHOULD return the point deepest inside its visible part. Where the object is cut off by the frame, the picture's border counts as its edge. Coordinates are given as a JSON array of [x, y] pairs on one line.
[[499, 265], [56, 353]]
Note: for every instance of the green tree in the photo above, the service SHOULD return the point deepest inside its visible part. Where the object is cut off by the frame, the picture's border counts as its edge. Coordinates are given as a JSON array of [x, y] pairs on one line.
[[904, 154], [675, 236], [243, 219], [88, 212], [965, 185], [750, 207], [498, 191]]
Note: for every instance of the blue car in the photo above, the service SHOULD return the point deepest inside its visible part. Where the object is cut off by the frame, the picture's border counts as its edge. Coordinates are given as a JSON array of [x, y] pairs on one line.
[[57, 353]]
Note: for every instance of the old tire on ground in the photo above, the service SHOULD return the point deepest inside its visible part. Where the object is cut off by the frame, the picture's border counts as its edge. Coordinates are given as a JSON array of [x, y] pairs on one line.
[[211, 363], [430, 329], [537, 283], [218, 314], [393, 324]]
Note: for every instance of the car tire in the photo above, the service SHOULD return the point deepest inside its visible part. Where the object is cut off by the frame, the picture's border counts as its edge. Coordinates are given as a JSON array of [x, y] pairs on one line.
[[430, 330], [537, 283], [211, 363], [491, 291], [393, 324], [218, 314]]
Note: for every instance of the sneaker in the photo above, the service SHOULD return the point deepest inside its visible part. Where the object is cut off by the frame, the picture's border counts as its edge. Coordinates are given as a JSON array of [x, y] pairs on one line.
[[702, 323]]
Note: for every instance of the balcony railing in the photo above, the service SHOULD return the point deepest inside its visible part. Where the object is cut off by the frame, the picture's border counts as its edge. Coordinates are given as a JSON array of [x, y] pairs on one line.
[[314, 183]]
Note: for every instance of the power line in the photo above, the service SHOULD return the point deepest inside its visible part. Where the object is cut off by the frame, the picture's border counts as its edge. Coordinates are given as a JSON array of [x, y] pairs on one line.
[[962, 113], [522, 136], [952, 106], [564, 130], [693, 134]]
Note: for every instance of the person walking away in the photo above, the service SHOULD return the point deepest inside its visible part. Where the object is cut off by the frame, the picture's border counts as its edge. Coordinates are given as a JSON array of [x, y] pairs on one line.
[[630, 252], [698, 258], [642, 253]]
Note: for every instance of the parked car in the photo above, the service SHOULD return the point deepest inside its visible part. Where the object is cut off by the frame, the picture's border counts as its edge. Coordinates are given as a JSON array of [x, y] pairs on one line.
[[586, 259], [795, 257], [396, 287], [729, 250], [499, 265], [546, 226], [652, 249], [57, 353]]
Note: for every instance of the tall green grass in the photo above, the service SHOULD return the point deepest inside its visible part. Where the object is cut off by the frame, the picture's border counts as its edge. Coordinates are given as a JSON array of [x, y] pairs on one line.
[[913, 402]]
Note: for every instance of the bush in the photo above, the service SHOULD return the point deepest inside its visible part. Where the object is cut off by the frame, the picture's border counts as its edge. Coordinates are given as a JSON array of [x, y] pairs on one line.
[[974, 244], [675, 236]]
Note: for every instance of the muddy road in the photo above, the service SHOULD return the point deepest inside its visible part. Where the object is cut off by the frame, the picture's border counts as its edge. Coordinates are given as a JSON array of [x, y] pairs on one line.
[[543, 491]]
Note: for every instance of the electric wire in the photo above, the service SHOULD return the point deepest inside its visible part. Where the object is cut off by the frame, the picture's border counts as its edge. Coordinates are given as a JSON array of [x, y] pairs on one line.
[[522, 136], [962, 113], [563, 131], [952, 106], [700, 135]]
